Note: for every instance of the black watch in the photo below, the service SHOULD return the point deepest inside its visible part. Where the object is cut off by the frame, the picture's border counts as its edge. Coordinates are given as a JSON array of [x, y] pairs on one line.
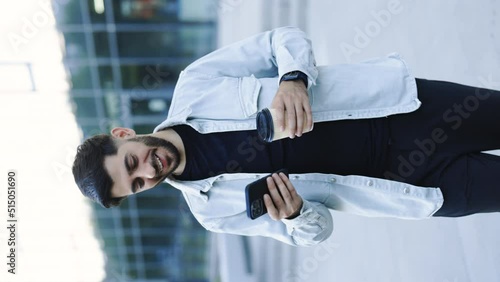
[[294, 75]]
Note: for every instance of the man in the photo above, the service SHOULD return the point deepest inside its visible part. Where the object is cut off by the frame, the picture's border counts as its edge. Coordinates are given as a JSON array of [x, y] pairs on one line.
[[383, 144]]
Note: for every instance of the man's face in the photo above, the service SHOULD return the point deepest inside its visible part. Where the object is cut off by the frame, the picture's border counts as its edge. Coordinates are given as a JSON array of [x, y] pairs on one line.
[[140, 164]]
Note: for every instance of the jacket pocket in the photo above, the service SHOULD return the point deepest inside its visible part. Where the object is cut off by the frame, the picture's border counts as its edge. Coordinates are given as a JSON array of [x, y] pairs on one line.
[[249, 89]]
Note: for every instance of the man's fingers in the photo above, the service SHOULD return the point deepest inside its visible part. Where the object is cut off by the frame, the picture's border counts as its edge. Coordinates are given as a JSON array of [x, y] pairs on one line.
[[309, 118], [293, 111], [280, 115], [283, 189], [282, 200], [271, 209], [294, 196], [299, 111], [274, 193], [291, 119]]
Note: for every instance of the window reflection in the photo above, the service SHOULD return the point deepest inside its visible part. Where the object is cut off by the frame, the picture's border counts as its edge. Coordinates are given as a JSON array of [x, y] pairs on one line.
[[101, 44], [68, 12], [152, 106], [80, 77], [97, 9], [127, 11], [85, 106], [143, 78], [75, 45], [189, 41], [106, 77]]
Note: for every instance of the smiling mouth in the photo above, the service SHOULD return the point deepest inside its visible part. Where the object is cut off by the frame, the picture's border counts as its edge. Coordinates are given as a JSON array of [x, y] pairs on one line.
[[160, 163]]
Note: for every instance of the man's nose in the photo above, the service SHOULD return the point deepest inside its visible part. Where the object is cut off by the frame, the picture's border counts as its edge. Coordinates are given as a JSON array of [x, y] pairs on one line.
[[146, 170]]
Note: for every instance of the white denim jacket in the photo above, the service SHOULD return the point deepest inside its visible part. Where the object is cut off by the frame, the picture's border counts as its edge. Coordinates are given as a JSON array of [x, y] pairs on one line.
[[224, 90]]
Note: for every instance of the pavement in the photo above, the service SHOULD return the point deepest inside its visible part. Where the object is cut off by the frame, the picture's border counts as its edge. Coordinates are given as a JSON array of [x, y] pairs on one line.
[[456, 41]]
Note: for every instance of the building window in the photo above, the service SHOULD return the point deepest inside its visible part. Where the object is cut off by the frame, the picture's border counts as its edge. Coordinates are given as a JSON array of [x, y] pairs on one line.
[[97, 11], [101, 44], [149, 106], [68, 12], [183, 42], [75, 45], [143, 78], [80, 76], [146, 11], [106, 77]]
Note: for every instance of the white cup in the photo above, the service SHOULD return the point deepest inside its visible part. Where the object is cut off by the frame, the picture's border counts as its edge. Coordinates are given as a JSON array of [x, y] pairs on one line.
[[268, 129]]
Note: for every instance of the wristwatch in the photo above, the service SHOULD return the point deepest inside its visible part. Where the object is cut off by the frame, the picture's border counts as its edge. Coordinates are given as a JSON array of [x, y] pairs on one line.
[[294, 75]]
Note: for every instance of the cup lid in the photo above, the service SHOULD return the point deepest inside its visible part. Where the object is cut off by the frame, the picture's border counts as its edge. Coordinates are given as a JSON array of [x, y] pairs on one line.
[[265, 128]]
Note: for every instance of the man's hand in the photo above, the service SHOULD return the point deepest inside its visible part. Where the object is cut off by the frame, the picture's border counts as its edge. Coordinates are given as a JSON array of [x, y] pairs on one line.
[[292, 98], [284, 201]]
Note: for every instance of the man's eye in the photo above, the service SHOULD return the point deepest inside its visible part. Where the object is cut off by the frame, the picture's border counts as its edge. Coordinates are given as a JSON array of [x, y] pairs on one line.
[[134, 162], [130, 163]]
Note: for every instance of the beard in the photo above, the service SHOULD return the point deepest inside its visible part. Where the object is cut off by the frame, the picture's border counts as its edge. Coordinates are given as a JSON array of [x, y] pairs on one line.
[[173, 157]]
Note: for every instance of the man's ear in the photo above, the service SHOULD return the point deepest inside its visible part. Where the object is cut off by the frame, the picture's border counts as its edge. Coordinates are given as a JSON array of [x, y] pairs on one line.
[[123, 133]]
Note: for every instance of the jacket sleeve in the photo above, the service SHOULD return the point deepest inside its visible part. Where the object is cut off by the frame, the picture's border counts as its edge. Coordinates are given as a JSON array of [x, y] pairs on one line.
[[268, 54], [312, 226]]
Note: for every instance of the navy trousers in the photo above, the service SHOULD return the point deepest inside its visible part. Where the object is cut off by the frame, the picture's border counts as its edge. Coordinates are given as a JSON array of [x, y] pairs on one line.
[[441, 144]]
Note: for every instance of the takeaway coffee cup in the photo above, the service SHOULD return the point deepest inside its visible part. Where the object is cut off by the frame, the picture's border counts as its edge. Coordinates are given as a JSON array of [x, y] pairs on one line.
[[268, 129]]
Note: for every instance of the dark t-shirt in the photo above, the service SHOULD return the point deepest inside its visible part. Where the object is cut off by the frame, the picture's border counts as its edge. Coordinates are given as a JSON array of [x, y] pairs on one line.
[[347, 147]]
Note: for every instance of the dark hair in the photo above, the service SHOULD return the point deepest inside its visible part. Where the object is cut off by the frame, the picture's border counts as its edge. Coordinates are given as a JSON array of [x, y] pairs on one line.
[[89, 172]]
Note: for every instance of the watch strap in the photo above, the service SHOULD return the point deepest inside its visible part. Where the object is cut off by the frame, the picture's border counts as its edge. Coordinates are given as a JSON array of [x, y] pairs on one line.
[[294, 75]]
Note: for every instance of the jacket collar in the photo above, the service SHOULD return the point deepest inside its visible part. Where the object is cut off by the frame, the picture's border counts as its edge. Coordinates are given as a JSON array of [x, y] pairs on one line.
[[196, 188]]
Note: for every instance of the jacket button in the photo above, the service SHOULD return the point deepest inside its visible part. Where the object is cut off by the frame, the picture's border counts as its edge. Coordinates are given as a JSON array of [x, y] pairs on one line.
[[369, 183], [406, 190], [333, 179]]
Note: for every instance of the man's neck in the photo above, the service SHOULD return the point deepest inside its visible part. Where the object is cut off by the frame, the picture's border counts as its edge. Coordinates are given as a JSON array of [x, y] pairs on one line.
[[172, 136]]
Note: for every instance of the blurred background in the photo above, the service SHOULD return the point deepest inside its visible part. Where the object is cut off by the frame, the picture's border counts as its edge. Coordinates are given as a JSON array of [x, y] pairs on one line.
[[122, 59], [70, 69]]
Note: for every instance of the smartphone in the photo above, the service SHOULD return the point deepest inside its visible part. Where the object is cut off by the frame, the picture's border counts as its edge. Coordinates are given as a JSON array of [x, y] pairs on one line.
[[255, 192]]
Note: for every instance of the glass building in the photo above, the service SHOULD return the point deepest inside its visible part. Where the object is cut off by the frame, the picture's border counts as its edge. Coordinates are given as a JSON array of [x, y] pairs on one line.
[[123, 58]]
